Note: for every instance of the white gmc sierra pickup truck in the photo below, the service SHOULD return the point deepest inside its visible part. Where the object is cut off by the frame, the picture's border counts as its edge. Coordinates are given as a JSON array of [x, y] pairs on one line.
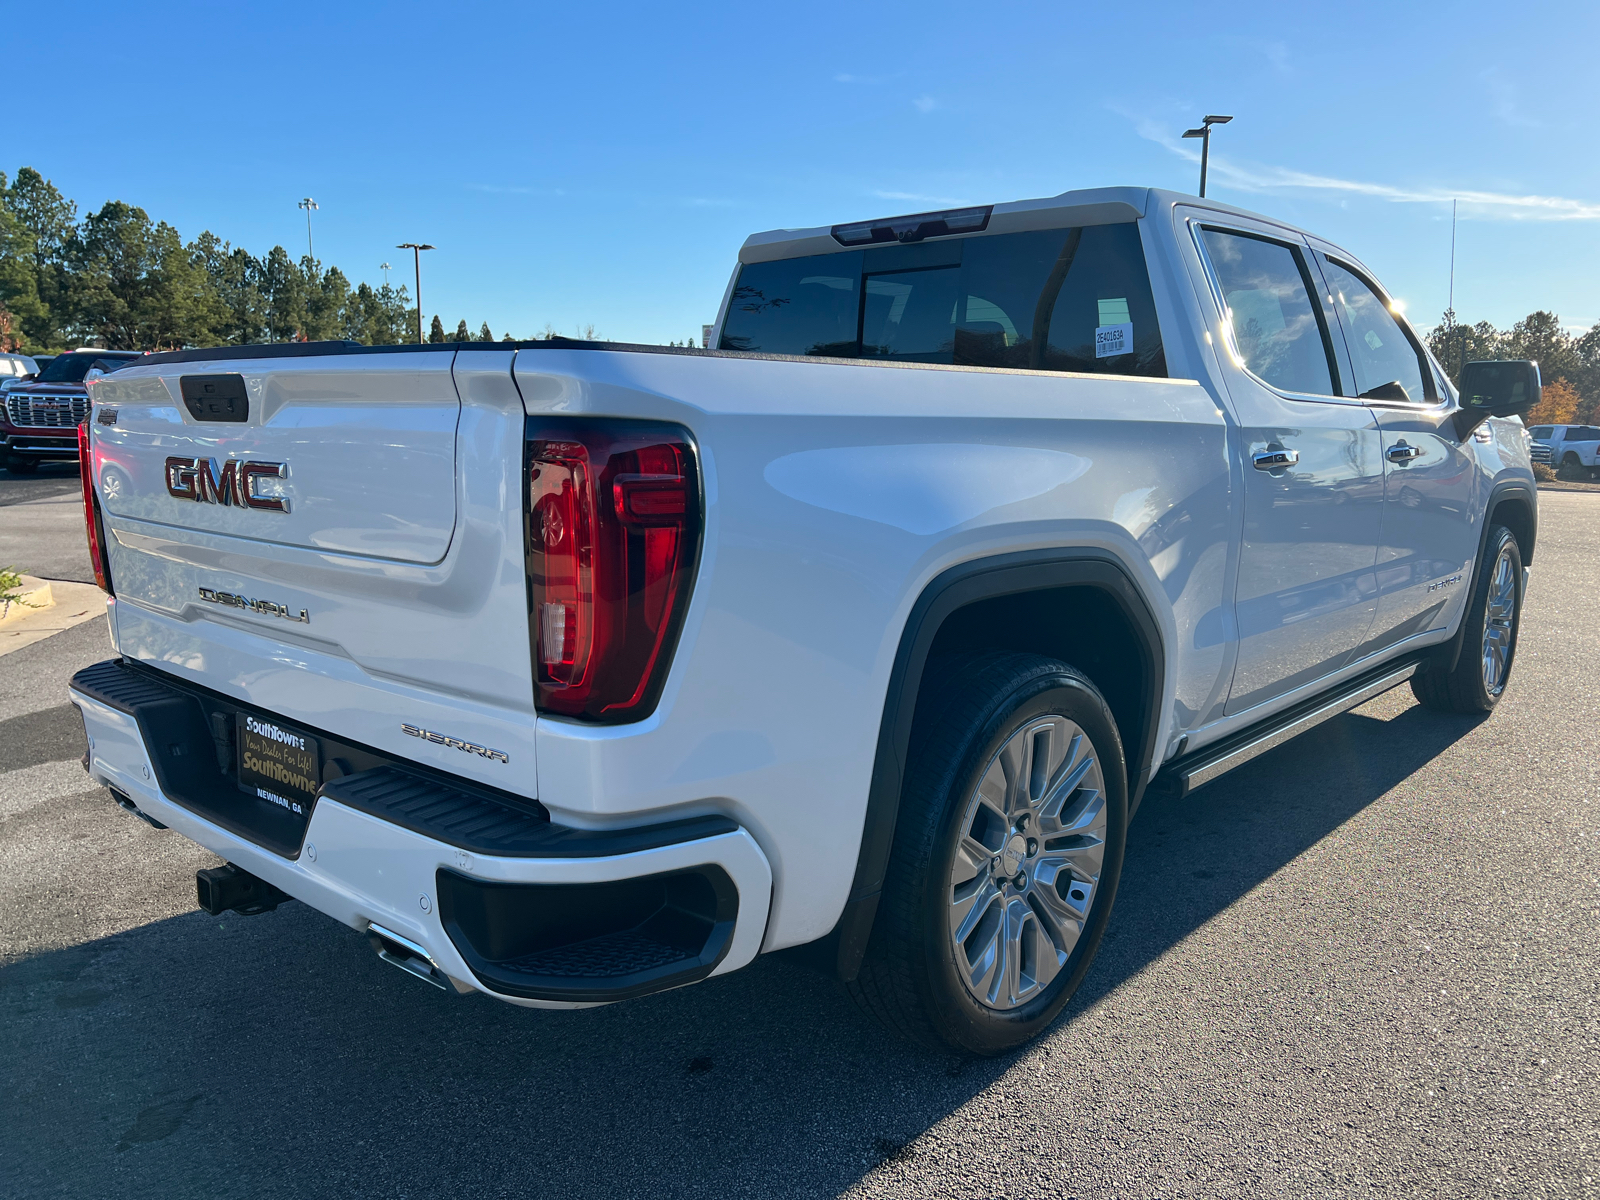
[[572, 672]]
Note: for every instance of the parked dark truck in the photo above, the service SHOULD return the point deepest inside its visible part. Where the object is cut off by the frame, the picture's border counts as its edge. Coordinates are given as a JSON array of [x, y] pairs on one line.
[[39, 419]]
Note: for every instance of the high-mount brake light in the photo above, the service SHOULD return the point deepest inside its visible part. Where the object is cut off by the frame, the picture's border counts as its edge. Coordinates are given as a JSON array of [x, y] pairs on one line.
[[613, 530], [915, 227], [92, 523]]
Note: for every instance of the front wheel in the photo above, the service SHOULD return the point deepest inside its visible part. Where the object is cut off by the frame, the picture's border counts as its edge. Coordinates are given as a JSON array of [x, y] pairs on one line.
[[1007, 852], [1489, 642], [22, 466]]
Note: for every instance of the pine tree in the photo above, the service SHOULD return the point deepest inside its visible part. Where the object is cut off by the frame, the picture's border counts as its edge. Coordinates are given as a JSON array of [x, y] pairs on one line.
[[436, 331], [484, 334]]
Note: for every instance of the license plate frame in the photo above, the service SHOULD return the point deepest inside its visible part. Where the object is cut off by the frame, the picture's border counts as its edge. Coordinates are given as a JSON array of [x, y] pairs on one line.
[[277, 764]]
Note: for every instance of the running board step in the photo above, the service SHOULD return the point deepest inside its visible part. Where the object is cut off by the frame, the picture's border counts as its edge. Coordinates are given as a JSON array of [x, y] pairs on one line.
[[1185, 774]]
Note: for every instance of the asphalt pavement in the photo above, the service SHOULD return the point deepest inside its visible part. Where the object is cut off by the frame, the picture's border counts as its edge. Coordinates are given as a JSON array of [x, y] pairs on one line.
[[41, 523], [1363, 965]]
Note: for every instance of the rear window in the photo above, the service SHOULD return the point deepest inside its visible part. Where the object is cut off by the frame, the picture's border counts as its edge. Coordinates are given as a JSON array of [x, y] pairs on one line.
[[1054, 300], [71, 368], [1582, 433]]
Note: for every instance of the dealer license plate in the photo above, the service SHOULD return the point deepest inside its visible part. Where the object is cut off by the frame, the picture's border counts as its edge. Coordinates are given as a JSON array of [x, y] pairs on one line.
[[278, 764]]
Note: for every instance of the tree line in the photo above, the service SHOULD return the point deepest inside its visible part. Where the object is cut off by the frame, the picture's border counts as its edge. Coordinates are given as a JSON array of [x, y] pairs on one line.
[[1568, 364], [117, 279]]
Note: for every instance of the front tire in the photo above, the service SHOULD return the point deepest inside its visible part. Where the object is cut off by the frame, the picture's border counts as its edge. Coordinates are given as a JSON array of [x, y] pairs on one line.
[[1007, 852], [22, 466], [1489, 642]]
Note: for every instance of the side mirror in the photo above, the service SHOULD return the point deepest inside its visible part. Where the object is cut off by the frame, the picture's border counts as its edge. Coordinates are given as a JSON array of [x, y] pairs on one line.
[[1509, 388]]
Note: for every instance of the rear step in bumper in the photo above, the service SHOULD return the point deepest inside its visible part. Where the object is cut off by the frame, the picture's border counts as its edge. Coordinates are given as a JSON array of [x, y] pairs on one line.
[[649, 908], [1183, 775]]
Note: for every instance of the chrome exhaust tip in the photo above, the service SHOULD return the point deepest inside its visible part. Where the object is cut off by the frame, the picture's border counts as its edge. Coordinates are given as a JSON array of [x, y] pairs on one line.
[[402, 952]]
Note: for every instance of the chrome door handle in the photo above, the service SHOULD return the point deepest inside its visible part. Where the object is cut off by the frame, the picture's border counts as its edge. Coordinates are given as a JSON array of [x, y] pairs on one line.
[[1400, 452], [1274, 459]]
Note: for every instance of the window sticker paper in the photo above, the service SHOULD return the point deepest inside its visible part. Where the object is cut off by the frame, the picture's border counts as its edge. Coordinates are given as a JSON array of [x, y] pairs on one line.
[[1114, 334], [1115, 311], [1111, 340]]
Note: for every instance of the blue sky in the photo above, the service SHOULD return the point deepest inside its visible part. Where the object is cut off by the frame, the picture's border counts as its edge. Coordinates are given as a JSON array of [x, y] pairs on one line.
[[582, 163]]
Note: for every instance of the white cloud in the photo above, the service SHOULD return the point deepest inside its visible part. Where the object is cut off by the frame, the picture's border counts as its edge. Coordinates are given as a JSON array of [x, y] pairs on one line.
[[925, 104], [1487, 205]]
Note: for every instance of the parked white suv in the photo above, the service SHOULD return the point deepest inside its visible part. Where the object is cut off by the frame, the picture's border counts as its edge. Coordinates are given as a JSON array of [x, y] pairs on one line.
[[571, 672]]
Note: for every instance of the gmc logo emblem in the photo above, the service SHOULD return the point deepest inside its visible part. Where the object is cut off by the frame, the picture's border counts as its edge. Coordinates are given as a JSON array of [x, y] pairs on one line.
[[197, 479]]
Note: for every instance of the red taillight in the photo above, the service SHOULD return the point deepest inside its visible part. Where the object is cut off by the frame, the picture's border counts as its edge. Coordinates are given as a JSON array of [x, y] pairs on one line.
[[613, 530], [91, 513]]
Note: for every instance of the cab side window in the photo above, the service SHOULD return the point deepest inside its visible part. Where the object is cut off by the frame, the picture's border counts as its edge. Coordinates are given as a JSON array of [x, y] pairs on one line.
[[1276, 324], [1388, 364]]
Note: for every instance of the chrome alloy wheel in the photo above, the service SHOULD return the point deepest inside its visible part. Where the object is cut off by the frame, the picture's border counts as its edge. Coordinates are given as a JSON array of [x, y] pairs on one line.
[[1028, 863], [1499, 619]]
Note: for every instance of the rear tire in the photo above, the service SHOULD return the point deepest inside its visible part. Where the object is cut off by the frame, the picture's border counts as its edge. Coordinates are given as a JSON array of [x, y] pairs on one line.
[[1007, 852], [1489, 642]]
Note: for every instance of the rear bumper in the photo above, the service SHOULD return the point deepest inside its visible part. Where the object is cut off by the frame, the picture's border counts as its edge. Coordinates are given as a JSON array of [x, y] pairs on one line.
[[544, 916]]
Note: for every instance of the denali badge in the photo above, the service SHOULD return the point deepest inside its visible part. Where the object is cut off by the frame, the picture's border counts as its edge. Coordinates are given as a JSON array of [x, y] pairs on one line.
[[265, 607], [428, 735], [197, 479], [1444, 583]]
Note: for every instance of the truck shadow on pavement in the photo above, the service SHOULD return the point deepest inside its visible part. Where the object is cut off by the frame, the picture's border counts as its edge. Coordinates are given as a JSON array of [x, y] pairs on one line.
[[275, 1055]]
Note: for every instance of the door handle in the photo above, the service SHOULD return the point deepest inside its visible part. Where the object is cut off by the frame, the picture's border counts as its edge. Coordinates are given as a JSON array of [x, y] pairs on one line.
[[1400, 452], [1274, 459]]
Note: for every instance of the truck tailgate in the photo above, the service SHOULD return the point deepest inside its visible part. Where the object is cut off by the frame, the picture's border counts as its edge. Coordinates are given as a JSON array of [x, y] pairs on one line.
[[368, 453], [373, 582]]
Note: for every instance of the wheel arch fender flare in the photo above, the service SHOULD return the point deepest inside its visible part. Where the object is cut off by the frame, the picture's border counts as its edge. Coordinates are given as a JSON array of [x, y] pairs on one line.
[[841, 950]]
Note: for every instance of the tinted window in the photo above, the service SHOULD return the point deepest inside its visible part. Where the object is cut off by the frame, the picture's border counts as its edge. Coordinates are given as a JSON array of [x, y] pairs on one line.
[[1279, 331], [1582, 433], [71, 368], [910, 315], [1059, 299], [1540, 431], [796, 306], [1380, 351], [1103, 319]]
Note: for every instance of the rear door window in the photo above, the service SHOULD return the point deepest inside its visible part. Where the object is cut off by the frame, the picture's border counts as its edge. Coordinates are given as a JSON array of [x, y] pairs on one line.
[[1279, 330], [1058, 299], [1582, 433], [1382, 353]]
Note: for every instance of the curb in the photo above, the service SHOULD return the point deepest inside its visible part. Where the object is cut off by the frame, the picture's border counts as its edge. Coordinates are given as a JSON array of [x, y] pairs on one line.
[[33, 596], [74, 604]]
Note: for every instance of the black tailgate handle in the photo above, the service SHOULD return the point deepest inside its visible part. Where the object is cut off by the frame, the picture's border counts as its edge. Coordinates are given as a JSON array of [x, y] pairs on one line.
[[215, 397]]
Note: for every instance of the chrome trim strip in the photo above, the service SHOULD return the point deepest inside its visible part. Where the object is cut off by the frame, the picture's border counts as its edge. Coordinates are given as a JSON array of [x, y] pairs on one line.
[[1208, 769]]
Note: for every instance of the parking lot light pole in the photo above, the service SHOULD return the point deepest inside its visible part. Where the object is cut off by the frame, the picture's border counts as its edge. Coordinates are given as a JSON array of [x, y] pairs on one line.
[[1204, 134], [308, 204], [416, 249]]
